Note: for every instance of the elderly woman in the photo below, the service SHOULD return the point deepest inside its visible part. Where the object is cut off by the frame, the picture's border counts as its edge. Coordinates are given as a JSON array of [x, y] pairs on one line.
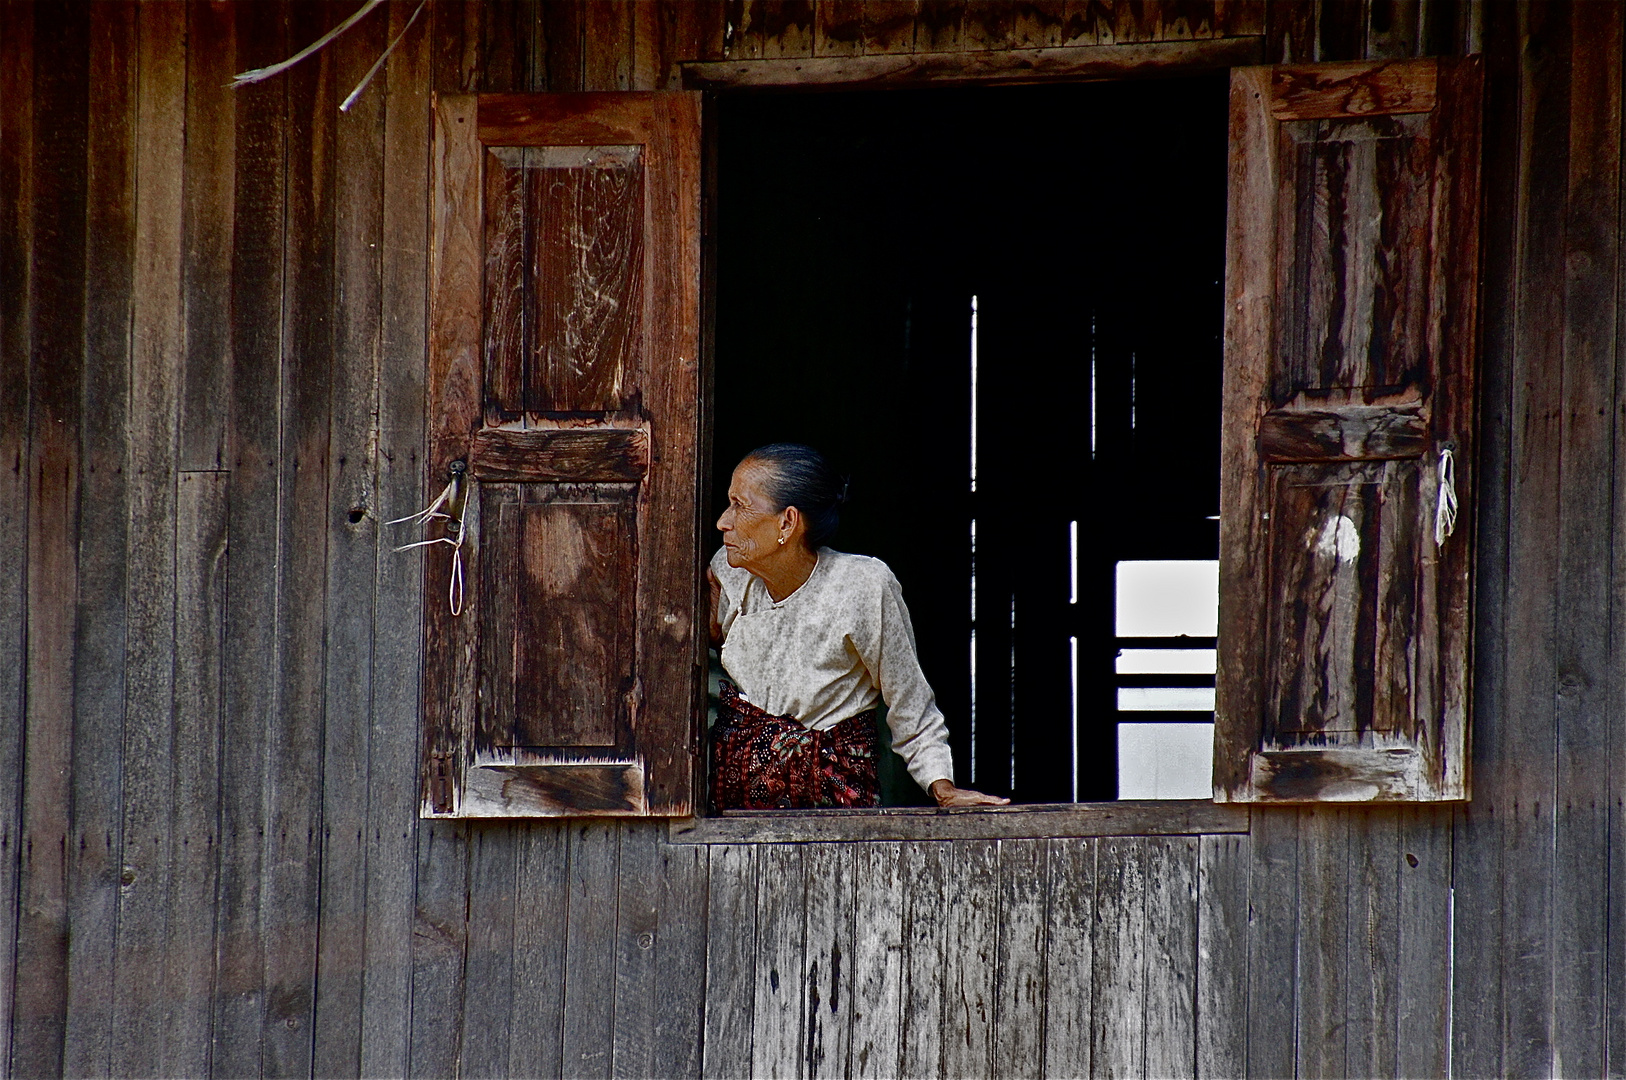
[[811, 640]]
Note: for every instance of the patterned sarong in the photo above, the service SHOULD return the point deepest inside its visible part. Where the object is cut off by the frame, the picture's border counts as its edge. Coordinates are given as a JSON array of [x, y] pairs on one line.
[[764, 762]]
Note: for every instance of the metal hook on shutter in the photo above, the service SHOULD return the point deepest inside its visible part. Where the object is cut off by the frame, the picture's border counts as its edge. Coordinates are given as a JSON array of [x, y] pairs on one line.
[[450, 506], [1445, 510]]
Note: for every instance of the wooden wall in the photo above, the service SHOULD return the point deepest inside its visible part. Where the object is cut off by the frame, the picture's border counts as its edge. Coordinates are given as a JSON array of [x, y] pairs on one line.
[[211, 363]]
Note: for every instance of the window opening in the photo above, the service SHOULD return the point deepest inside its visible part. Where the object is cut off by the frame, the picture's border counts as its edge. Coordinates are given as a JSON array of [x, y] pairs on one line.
[[999, 309]]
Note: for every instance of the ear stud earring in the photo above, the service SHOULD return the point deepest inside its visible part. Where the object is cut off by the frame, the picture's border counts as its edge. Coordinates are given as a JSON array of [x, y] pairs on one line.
[[781, 539]]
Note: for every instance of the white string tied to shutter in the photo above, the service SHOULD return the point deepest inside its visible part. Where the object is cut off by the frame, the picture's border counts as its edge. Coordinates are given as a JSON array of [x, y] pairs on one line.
[[450, 506], [1445, 510]]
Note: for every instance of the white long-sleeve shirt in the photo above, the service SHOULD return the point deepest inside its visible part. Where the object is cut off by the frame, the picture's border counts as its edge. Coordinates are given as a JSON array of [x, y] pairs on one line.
[[832, 649]]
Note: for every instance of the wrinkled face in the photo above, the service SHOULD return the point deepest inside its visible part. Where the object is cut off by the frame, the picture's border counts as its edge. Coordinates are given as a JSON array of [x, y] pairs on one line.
[[751, 526]]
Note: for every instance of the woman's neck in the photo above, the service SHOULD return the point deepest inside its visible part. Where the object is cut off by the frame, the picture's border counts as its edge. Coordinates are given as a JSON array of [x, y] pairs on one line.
[[787, 571]]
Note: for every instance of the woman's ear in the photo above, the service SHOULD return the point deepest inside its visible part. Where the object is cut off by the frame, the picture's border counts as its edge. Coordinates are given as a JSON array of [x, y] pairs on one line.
[[790, 519]]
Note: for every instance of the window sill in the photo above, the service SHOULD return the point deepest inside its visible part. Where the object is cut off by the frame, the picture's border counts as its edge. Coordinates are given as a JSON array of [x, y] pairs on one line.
[[1149, 818]]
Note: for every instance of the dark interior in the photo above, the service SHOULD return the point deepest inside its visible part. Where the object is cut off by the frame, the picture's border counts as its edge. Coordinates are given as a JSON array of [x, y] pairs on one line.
[[852, 231]]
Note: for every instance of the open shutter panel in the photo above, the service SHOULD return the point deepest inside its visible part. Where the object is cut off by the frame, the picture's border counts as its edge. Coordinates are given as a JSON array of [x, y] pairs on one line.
[[1349, 356], [564, 398]]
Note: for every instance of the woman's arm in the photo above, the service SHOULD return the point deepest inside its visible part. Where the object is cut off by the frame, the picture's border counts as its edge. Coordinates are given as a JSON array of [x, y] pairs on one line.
[[715, 587]]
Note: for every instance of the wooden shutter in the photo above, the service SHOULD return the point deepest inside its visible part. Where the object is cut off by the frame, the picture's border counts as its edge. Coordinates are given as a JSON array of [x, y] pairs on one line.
[[1350, 346], [564, 391]]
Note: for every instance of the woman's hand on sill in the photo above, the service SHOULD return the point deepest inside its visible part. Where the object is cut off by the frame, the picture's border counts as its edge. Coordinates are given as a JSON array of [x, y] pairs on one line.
[[947, 794]]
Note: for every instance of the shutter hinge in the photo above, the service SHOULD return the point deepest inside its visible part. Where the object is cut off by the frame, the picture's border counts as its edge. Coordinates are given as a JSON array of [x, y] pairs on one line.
[[440, 783]]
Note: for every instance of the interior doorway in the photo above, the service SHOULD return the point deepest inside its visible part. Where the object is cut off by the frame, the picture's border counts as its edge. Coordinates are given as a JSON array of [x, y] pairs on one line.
[[999, 309]]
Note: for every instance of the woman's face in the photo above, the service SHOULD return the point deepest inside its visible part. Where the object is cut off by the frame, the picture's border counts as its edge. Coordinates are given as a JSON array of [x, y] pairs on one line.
[[751, 526]]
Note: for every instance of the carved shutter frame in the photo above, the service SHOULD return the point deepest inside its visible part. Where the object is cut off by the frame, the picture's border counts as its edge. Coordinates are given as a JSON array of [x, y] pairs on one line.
[[1350, 348], [564, 375]]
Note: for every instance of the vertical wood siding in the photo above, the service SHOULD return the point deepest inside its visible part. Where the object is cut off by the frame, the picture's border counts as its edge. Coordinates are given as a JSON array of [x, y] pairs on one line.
[[212, 331]]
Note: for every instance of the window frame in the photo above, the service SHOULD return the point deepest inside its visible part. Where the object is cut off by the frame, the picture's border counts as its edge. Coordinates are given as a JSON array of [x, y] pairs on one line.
[[1161, 817]]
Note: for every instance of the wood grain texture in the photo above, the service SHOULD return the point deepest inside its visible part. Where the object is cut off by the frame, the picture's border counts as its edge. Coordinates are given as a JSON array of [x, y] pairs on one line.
[[16, 256], [541, 921], [1222, 947], [1070, 962], [158, 338], [637, 922], [731, 961], [970, 951], [1586, 694], [777, 1020], [440, 933], [397, 638], [589, 1000], [569, 455], [1118, 1012], [1273, 943], [250, 650], [877, 959], [1129, 818], [352, 543], [201, 570], [99, 634], [491, 951], [1172, 960], [977, 67], [1021, 957], [923, 1019], [681, 950], [290, 902], [834, 927], [1323, 928]]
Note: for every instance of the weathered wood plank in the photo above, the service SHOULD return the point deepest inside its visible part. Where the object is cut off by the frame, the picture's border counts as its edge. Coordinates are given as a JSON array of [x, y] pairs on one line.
[[838, 28], [731, 960], [249, 676], [970, 895], [1172, 959], [972, 67], [888, 26], [1070, 958], [510, 31], [1290, 32], [54, 367], [781, 940], [16, 256], [1526, 797], [1239, 18], [457, 31], [787, 28], [567, 455], [743, 29], [877, 961], [99, 634], [1222, 951], [590, 949], [606, 45], [290, 904], [541, 922], [200, 593], [439, 947], [1394, 29], [986, 26], [1374, 962], [562, 27], [1118, 1013], [637, 923], [397, 636], [1021, 958], [1323, 931], [1586, 665], [680, 953], [1149, 818], [1039, 24], [1179, 20], [1273, 891], [352, 542], [924, 869], [488, 964], [1476, 986], [827, 965], [206, 265], [1340, 30], [1422, 994], [937, 27], [158, 340]]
